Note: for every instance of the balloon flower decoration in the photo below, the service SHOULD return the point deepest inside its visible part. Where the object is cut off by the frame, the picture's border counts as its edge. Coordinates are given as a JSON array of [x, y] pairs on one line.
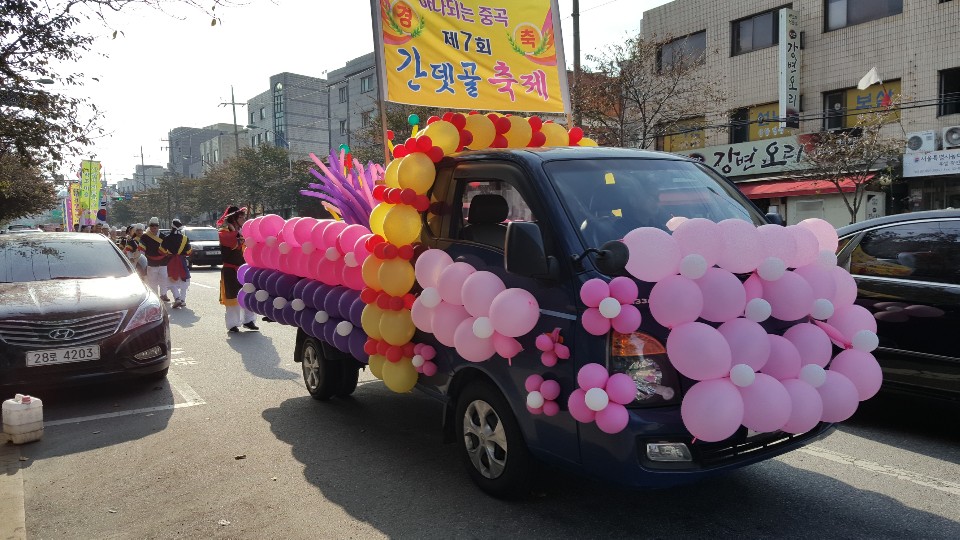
[[601, 398], [552, 348], [542, 395], [610, 305]]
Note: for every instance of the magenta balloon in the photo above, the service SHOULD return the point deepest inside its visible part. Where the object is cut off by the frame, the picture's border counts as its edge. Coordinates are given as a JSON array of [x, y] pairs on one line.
[[835, 336], [551, 390], [594, 322], [675, 300], [446, 318], [849, 320], [862, 369], [250, 255], [246, 227], [505, 346], [592, 376], [808, 248], [295, 262], [469, 346], [331, 232], [287, 232], [766, 404], [479, 290], [806, 406], [352, 276], [551, 408], [747, 341], [323, 269], [742, 251], [577, 405], [790, 297], [724, 297], [316, 233], [699, 351], [303, 228], [422, 316], [360, 249], [811, 342], [712, 410], [514, 312], [628, 320], [430, 264], [819, 278], [348, 237], [784, 360], [450, 284], [846, 288], [270, 225], [251, 229], [621, 389], [839, 397], [271, 257], [532, 383], [753, 287], [624, 289], [593, 292], [777, 242], [824, 231], [653, 254], [613, 418], [700, 236]]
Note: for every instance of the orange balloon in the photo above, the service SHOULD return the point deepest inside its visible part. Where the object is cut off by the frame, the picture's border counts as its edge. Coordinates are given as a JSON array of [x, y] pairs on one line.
[[417, 172], [443, 134], [520, 132], [370, 320], [556, 134], [390, 174], [482, 130], [371, 272]]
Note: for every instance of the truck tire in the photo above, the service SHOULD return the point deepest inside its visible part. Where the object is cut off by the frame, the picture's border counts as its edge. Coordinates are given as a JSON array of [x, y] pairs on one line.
[[349, 376], [321, 375], [490, 442]]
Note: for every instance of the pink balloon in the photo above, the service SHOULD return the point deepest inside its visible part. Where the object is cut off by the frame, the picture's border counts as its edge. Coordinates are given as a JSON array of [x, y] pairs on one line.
[[653, 254], [592, 376], [451, 282], [295, 262], [429, 369], [479, 290], [753, 287], [624, 289], [593, 292], [469, 346], [303, 229], [784, 360], [429, 265], [675, 300], [747, 341], [724, 297], [839, 397], [862, 369], [824, 231], [331, 232], [790, 297], [808, 248], [270, 256], [446, 318], [543, 342], [287, 232], [352, 277], [835, 336], [819, 278], [594, 322], [846, 288], [766, 404], [270, 225], [246, 230], [806, 406], [422, 316], [628, 320], [700, 236], [550, 390], [548, 358], [742, 251], [348, 237], [251, 255], [811, 342], [777, 242], [505, 346], [316, 234], [514, 312], [359, 249], [712, 410], [532, 384], [699, 351], [621, 389], [613, 418], [538, 410], [551, 408], [577, 405], [323, 269], [849, 320]]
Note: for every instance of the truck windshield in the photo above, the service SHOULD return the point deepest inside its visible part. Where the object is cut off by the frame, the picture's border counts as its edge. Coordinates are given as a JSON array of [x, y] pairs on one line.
[[607, 198]]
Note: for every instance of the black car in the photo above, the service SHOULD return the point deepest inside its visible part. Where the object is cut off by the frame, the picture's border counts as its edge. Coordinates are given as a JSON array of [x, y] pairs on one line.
[[205, 243], [907, 269], [73, 309]]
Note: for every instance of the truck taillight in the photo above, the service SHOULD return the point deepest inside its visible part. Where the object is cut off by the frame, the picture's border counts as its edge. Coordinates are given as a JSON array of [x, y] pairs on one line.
[[644, 359]]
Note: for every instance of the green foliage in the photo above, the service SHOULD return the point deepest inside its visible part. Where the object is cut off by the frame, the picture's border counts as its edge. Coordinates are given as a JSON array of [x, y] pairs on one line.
[[367, 143], [23, 191]]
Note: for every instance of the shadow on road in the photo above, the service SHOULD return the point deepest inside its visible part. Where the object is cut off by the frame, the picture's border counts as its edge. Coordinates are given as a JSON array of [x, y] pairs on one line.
[[183, 317], [259, 355], [380, 457]]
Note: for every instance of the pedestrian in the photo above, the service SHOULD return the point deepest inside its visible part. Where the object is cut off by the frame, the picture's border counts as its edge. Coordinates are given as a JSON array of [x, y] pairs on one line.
[[232, 246], [151, 244], [177, 245]]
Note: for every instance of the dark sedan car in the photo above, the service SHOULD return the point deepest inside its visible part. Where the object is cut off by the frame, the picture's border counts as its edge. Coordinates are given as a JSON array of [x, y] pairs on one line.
[[205, 243], [73, 309], [907, 269]]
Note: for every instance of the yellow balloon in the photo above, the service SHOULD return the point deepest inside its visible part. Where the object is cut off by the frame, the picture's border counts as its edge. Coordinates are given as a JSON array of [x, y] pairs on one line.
[[370, 320], [377, 215], [396, 276], [417, 172], [520, 132], [371, 273], [443, 134], [588, 142], [482, 130], [556, 135], [390, 174], [400, 376], [396, 327], [402, 225], [376, 365]]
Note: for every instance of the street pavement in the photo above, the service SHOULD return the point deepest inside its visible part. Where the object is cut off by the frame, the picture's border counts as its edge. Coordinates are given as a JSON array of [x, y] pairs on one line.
[[232, 446]]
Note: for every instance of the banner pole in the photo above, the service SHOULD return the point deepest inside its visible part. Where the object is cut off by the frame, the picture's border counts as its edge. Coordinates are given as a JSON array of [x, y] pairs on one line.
[[381, 76]]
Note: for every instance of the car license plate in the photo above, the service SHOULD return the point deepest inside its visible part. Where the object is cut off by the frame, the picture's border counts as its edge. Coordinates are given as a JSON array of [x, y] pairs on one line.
[[63, 356], [217, 252]]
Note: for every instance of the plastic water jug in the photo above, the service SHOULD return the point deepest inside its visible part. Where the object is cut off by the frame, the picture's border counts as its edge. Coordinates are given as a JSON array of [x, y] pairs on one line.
[[23, 419]]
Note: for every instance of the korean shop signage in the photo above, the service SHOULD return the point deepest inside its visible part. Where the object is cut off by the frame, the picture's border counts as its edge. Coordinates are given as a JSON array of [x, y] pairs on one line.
[[931, 163], [789, 55], [757, 157]]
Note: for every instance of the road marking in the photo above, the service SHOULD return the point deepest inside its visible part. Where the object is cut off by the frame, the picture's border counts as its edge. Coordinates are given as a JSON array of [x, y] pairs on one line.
[[176, 383], [920, 479], [13, 518], [201, 285]]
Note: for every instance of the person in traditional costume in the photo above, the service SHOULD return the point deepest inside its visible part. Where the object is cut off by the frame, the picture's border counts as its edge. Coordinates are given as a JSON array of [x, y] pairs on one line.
[[177, 245], [232, 246], [151, 244]]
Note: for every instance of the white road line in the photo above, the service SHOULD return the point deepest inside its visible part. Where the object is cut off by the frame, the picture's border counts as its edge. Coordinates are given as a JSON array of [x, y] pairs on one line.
[[920, 479], [13, 518], [195, 284]]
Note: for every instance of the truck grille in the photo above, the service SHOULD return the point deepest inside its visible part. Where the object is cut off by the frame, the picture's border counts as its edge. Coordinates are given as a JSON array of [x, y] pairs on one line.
[[711, 455], [46, 334]]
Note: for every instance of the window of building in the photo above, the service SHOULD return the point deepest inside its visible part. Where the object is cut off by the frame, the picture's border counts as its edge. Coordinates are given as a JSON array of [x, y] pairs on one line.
[[251, 117], [685, 134], [757, 123], [343, 94], [366, 83], [949, 92], [365, 118], [740, 126], [843, 13], [841, 108], [687, 51], [757, 32], [216, 155], [343, 127], [263, 112]]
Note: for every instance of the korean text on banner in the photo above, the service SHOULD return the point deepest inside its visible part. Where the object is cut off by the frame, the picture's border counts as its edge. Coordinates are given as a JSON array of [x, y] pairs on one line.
[[483, 55], [89, 191], [74, 204], [789, 60]]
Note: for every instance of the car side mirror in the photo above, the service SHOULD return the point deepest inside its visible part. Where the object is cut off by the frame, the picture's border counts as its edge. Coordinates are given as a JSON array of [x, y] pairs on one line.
[[610, 259], [524, 253], [774, 218]]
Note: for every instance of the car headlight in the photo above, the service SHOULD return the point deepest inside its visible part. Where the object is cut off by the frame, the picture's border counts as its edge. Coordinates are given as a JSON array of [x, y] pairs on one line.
[[644, 359], [150, 310], [195, 247]]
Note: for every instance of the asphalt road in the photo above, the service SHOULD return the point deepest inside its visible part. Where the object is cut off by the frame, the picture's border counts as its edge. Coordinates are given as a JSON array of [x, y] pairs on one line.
[[231, 446]]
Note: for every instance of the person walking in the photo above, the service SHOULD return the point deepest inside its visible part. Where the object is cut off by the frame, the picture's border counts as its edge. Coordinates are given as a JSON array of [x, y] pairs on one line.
[[177, 245], [232, 246], [151, 245]]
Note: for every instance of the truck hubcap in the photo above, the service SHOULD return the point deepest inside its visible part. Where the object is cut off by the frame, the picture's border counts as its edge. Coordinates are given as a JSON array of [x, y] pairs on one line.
[[311, 367], [484, 439]]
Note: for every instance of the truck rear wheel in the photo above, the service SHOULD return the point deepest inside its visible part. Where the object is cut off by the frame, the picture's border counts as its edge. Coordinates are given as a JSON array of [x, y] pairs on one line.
[[321, 375]]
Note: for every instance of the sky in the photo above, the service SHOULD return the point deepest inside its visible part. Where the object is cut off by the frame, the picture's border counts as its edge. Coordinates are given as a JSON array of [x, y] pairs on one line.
[[168, 70]]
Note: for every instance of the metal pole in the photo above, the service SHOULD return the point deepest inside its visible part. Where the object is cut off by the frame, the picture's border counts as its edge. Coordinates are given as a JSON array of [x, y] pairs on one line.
[[236, 132], [143, 169], [577, 119], [381, 78]]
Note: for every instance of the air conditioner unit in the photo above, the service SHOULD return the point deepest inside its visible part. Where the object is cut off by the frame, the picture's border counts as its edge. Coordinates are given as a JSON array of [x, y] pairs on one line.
[[951, 137], [921, 141]]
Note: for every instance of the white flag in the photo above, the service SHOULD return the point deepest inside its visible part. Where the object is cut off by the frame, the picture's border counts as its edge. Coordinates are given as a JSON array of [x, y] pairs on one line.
[[869, 79]]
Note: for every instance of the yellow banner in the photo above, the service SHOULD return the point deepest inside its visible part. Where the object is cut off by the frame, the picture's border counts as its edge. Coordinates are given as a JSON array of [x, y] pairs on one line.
[[74, 204], [89, 191], [874, 97], [472, 54], [765, 122]]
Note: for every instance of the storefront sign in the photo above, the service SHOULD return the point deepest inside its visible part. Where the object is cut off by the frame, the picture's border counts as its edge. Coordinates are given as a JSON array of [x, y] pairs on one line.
[[758, 157], [931, 163], [789, 56]]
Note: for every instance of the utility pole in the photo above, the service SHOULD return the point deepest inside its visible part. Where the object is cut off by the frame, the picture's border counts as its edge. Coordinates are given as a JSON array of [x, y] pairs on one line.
[[576, 63], [143, 170], [236, 132]]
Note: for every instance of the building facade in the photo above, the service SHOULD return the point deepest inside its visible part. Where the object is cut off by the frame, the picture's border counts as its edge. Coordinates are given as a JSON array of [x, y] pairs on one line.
[[144, 177], [292, 113], [184, 149], [223, 146], [353, 98]]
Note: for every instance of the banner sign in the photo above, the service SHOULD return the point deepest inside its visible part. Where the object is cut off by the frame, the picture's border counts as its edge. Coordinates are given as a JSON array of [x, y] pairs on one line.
[[471, 54], [89, 191], [74, 199], [789, 69], [757, 157], [931, 163]]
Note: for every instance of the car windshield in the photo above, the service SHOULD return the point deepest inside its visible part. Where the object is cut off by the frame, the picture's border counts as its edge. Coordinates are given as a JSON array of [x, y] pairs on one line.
[[38, 258], [202, 235], [607, 198]]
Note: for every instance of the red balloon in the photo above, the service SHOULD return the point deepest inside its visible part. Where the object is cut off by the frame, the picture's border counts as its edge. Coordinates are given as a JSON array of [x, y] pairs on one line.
[[575, 135], [458, 120], [447, 116], [400, 151], [382, 347], [378, 191], [465, 138], [390, 251], [389, 134], [411, 144], [408, 300], [422, 204], [499, 142], [405, 252], [393, 195], [535, 122], [435, 154], [383, 301], [396, 303], [368, 295], [370, 347], [502, 125], [373, 242], [408, 196], [394, 353], [433, 119], [408, 349], [538, 139], [424, 143]]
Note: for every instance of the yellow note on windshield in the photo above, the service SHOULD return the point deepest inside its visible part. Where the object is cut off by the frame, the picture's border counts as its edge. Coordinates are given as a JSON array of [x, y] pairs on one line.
[[618, 212], [608, 178]]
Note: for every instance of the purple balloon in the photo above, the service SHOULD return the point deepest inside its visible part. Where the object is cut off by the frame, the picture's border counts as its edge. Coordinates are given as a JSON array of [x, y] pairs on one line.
[[307, 292], [839, 397], [748, 342], [790, 297], [304, 316], [355, 312], [260, 280], [329, 330], [346, 302], [811, 342], [260, 308], [242, 272], [356, 340], [288, 315], [320, 294], [712, 410], [806, 406], [699, 351], [724, 297], [766, 404], [331, 303], [784, 360], [675, 300], [242, 297], [285, 285], [341, 342], [297, 291], [270, 285], [315, 329]]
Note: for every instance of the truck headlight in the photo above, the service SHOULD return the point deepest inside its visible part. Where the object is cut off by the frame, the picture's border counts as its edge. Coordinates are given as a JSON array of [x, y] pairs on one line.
[[644, 359]]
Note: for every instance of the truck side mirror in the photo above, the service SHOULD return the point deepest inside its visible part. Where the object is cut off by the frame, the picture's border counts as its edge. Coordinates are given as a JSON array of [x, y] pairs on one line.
[[523, 252], [774, 218], [612, 258]]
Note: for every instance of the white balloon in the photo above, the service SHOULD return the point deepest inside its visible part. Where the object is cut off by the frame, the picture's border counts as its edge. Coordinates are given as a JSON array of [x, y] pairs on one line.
[[350, 259], [827, 258], [693, 266], [483, 328], [332, 254], [270, 241], [772, 269], [321, 317], [261, 295], [284, 248], [758, 310], [279, 302], [610, 307], [664, 391], [813, 375], [675, 222], [249, 288], [307, 247], [298, 304], [430, 297], [417, 361], [822, 309], [865, 341], [597, 399], [535, 399], [742, 375], [344, 328]]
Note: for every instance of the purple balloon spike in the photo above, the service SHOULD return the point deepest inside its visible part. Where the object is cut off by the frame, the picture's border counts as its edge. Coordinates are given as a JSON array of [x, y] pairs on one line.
[[346, 190]]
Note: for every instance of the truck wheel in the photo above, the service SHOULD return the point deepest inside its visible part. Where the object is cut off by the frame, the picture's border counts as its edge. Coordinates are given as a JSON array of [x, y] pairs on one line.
[[349, 375], [321, 375], [491, 445]]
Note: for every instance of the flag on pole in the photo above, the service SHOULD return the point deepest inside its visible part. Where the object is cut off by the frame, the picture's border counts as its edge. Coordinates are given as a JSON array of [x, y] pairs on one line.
[[869, 79]]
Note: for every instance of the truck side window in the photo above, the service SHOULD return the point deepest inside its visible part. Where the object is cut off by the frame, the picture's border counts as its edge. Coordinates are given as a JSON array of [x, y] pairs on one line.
[[486, 206]]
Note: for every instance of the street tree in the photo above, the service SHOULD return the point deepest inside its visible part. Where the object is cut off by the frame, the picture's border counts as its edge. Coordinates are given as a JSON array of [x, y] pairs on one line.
[[23, 190], [367, 144]]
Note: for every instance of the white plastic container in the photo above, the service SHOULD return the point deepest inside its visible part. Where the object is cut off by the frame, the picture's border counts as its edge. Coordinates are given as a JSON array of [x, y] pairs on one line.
[[23, 419]]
